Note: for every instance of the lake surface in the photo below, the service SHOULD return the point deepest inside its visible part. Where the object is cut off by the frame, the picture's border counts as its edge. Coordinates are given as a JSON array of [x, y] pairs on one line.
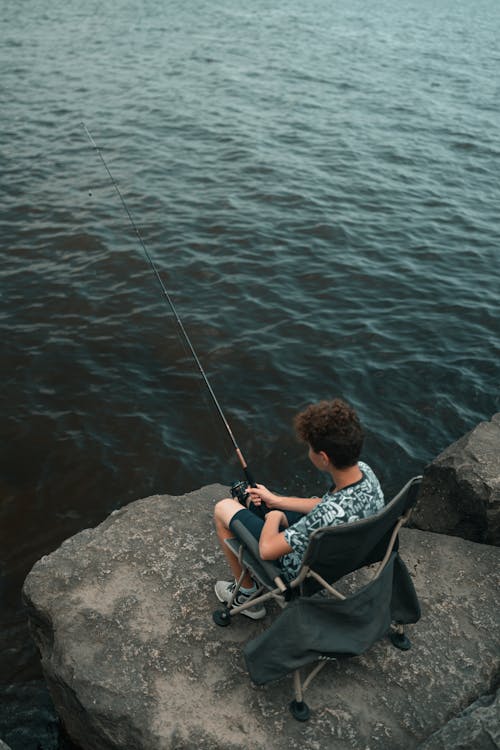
[[318, 184]]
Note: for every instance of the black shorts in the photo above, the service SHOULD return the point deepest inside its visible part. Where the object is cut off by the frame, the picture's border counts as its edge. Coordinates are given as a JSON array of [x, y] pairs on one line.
[[254, 523]]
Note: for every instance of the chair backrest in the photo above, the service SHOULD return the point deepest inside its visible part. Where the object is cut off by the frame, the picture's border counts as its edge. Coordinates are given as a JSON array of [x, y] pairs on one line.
[[336, 551]]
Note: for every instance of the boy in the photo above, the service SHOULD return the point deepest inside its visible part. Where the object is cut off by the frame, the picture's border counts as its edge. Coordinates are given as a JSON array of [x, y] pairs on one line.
[[334, 435]]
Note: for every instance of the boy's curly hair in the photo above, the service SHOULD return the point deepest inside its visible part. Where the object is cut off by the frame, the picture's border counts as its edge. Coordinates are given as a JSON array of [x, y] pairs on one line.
[[332, 427]]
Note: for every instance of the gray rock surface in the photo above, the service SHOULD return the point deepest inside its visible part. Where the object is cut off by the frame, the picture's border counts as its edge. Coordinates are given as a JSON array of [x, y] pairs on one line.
[[122, 615], [460, 493], [477, 728]]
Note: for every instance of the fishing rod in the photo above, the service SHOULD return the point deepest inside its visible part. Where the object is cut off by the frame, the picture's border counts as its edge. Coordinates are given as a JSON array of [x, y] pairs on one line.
[[239, 488]]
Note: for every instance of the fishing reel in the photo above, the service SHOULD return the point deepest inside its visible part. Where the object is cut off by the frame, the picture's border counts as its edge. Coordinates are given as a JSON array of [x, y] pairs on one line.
[[239, 491]]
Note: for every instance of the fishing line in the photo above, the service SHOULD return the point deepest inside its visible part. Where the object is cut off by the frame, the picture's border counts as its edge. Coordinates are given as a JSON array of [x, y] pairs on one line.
[[173, 309]]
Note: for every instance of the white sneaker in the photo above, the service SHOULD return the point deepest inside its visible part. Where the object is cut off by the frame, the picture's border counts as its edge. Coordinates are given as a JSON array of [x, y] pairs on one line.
[[224, 591]]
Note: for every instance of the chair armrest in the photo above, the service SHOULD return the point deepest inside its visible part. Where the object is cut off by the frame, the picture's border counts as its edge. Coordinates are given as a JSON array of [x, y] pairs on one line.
[[251, 545]]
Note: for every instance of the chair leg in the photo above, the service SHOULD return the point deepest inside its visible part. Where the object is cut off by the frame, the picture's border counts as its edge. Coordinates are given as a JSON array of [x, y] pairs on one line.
[[221, 617], [298, 708], [398, 638]]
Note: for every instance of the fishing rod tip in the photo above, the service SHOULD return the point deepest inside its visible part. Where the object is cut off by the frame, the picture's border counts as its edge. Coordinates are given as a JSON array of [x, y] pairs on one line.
[[89, 136]]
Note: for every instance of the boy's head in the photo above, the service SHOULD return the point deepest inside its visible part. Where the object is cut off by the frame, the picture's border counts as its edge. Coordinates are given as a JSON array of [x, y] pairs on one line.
[[334, 428]]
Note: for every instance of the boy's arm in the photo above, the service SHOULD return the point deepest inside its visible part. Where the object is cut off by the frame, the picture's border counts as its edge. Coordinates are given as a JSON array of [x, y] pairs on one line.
[[300, 504], [261, 494], [272, 542]]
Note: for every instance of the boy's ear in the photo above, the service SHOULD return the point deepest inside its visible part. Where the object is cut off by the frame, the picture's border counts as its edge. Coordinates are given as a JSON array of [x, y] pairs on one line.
[[324, 458]]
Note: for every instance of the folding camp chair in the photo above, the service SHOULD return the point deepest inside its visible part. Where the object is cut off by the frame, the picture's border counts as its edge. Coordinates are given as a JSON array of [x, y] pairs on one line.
[[317, 621]]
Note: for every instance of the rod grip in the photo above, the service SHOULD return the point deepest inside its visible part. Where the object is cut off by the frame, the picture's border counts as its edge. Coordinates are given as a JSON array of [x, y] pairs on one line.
[[249, 477], [262, 509]]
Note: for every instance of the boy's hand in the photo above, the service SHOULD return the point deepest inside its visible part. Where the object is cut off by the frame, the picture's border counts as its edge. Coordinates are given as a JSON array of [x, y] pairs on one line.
[[278, 517], [261, 494]]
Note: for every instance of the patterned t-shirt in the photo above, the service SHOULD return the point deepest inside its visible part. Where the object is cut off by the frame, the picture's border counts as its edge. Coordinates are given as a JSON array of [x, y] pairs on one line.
[[359, 500]]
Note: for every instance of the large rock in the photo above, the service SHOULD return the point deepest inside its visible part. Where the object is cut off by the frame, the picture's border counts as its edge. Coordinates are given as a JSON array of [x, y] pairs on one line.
[[122, 615], [477, 727], [460, 493]]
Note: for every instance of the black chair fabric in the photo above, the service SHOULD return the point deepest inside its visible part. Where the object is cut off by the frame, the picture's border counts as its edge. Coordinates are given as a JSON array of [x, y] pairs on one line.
[[315, 627]]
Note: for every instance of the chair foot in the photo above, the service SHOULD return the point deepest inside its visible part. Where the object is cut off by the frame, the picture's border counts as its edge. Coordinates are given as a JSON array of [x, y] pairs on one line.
[[300, 710], [222, 617], [400, 640]]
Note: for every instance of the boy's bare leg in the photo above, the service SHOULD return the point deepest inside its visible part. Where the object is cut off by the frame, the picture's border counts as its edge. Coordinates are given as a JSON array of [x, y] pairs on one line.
[[224, 511]]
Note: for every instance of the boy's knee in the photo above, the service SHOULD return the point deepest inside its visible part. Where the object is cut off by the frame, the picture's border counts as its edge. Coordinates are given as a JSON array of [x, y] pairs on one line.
[[219, 508], [225, 509], [220, 504]]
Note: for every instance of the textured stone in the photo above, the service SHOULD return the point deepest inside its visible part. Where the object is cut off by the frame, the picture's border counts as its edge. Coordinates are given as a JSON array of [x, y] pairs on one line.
[[122, 615], [460, 493], [476, 728]]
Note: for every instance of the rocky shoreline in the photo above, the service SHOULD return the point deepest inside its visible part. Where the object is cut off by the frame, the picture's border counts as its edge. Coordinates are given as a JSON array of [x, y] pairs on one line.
[[121, 615]]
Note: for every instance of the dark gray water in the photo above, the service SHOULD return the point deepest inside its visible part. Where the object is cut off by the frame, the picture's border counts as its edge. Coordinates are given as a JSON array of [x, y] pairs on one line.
[[318, 183]]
